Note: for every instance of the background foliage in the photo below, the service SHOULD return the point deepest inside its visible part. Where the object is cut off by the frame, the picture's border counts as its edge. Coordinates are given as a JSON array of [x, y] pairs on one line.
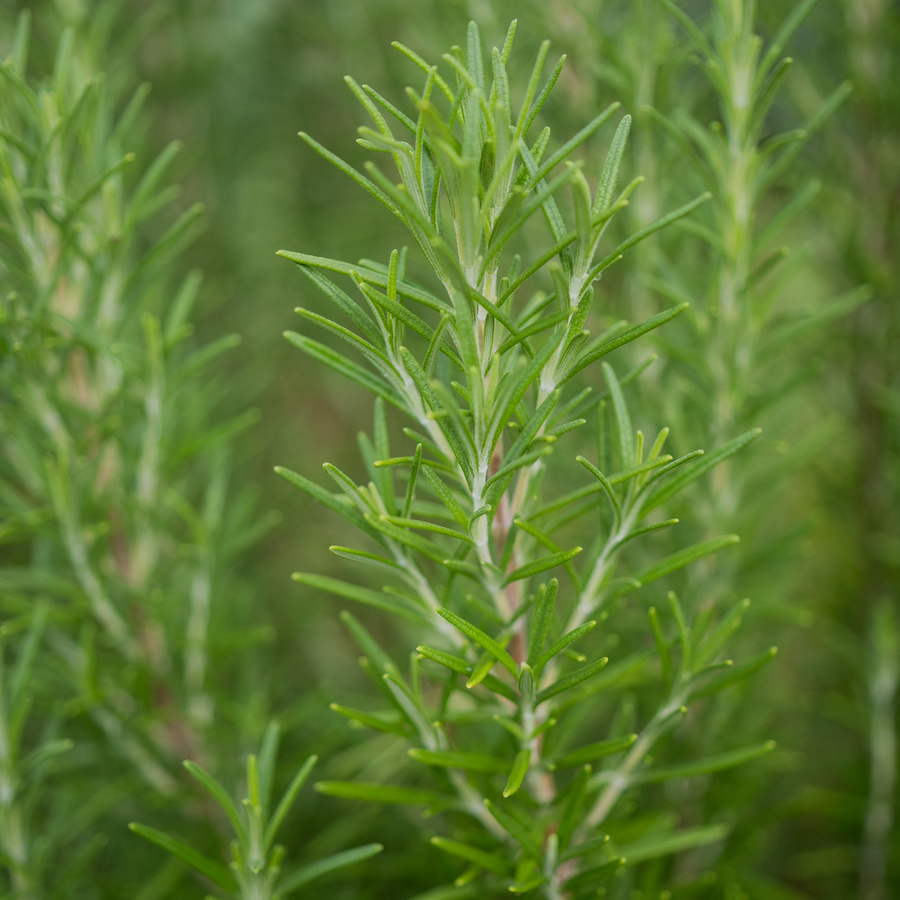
[[814, 498]]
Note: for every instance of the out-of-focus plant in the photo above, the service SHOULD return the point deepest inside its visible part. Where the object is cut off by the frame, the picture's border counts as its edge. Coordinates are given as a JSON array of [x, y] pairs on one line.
[[466, 534], [253, 873], [119, 530], [746, 352], [106, 424], [864, 242]]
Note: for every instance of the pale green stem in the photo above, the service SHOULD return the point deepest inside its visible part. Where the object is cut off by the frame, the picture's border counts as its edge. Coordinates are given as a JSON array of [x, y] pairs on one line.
[[619, 780], [883, 682], [199, 702]]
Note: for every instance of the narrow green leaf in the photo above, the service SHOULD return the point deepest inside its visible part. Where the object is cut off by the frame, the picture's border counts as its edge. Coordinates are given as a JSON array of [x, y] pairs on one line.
[[570, 681], [381, 793], [662, 646], [541, 565], [481, 670], [709, 461], [321, 867], [446, 497], [610, 173], [369, 597], [786, 213], [345, 367], [454, 663], [371, 721], [684, 557], [646, 232], [369, 275], [523, 887], [541, 619], [480, 638], [407, 537], [471, 762], [572, 815], [287, 801], [412, 708], [705, 766], [595, 876], [604, 484], [518, 772], [220, 795], [622, 419], [697, 36], [591, 752], [348, 170], [368, 644], [718, 637], [736, 674], [214, 871], [588, 846], [516, 828], [428, 526], [480, 858], [633, 333], [782, 36], [568, 638], [572, 144], [326, 498], [667, 843]]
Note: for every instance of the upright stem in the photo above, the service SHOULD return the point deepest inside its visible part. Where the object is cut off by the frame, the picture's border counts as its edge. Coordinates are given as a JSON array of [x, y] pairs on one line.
[[883, 682]]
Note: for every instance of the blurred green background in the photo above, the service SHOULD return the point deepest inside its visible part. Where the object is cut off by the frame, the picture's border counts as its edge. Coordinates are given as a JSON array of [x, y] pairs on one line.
[[236, 79]]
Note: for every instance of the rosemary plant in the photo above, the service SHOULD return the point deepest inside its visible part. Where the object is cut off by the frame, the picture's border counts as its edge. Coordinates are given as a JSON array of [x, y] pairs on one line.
[[864, 163], [742, 333], [746, 354], [118, 529], [256, 858], [497, 697]]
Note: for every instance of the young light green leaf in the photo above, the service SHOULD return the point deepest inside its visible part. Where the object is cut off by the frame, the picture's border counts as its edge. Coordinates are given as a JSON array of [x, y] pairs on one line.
[[518, 772]]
